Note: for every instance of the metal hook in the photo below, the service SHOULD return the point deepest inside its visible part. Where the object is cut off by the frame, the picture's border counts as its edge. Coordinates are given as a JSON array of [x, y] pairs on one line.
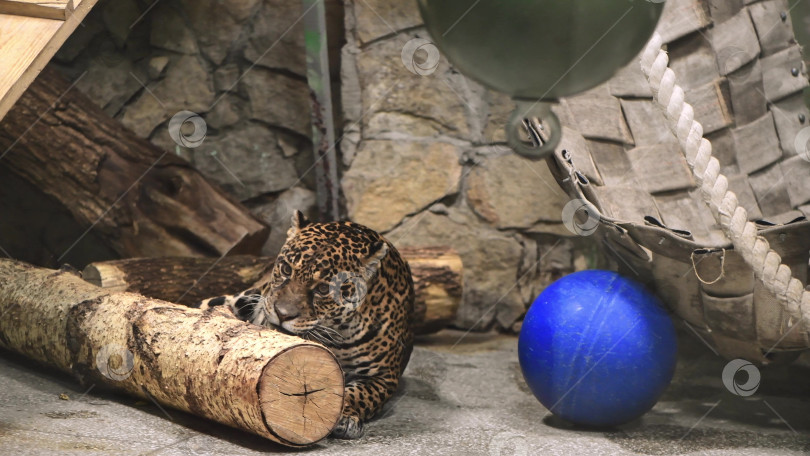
[[541, 125]]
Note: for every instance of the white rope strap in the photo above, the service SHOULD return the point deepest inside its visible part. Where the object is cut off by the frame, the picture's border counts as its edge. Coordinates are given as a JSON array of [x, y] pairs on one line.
[[732, 218]]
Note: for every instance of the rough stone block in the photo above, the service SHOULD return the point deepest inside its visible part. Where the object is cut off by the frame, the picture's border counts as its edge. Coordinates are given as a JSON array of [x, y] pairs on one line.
[[277, 40], [217, 24], [490, 273], [387, 86], [391, 179], [247, 163], [278, 100], [186, 86], [277, 212], [510, 191], [378, 18], [169, 31]]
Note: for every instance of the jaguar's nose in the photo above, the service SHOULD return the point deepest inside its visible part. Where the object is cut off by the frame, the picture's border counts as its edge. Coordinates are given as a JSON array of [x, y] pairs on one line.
[[286, 311]]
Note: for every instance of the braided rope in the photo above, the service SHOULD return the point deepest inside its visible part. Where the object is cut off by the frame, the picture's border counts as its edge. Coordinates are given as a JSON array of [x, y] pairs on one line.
[[732, 218]]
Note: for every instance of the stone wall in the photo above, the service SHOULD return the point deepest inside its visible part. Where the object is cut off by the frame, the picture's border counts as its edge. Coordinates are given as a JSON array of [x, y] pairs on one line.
[[426, 164], [422, 150], [239, 64]]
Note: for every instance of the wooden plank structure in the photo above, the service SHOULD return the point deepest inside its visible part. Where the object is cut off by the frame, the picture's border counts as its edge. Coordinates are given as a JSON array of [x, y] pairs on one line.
[[30, 34], [54, 9]]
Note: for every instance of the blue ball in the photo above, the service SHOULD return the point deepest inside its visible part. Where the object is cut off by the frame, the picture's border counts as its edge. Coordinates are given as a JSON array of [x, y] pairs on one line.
[[597, 349]]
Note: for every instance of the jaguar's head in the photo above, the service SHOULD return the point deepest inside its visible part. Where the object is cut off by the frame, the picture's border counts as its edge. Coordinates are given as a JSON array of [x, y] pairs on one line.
[[320, 281]]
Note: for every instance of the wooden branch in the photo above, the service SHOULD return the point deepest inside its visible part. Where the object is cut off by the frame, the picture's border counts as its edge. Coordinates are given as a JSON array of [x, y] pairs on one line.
[[140, 200], [436, 276], [281, 387]]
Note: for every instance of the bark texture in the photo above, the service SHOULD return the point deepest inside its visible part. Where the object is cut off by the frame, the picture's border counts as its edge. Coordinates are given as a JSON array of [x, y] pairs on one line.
[[436, 275], [143, 201], [281, 387]]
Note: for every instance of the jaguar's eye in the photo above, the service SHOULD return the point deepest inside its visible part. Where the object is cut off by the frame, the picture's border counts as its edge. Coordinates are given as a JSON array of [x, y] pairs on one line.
[[286, 269], [322, 289]]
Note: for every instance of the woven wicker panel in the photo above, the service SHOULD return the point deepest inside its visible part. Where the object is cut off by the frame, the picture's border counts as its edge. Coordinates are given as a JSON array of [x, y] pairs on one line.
[[743, 74]]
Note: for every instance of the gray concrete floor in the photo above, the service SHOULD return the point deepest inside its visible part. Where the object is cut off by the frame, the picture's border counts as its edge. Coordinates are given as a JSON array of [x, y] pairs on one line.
[[464, 399]]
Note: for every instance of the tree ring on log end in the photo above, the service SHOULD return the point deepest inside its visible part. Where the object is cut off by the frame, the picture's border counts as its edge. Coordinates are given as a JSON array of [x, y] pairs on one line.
[[301, 394]]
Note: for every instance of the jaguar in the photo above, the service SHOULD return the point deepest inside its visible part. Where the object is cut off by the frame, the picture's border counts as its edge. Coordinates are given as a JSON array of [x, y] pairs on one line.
[[345, 286]]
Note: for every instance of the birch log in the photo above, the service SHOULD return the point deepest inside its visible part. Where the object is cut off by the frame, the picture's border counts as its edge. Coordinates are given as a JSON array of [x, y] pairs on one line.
[[436, 276], [286, 389]]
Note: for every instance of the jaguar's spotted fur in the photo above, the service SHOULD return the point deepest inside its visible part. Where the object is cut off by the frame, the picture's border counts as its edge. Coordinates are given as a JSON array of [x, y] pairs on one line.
[[343, 285]]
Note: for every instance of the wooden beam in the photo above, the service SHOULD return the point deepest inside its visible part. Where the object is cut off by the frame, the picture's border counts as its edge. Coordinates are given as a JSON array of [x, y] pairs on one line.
[[27, 44], [54, 9]]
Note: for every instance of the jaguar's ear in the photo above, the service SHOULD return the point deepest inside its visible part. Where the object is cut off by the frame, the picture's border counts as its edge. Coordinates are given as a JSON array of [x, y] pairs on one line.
[[372, 262], [298, 222]]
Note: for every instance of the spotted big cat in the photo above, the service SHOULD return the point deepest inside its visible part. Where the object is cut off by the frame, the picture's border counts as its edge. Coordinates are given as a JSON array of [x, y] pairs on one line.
[[345, 286]]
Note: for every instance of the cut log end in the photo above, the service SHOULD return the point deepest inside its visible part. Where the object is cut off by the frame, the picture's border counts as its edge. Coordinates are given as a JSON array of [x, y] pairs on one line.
[[284, 388], [301, 394]]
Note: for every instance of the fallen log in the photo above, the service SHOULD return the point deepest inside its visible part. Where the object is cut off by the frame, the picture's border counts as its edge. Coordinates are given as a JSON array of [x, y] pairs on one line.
[[437, 285], [183, 280], [141, 200], [286, 389], [436, 276]]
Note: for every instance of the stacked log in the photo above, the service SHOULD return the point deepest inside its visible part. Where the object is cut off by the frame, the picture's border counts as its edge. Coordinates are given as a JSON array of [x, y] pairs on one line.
[[436, 276]]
